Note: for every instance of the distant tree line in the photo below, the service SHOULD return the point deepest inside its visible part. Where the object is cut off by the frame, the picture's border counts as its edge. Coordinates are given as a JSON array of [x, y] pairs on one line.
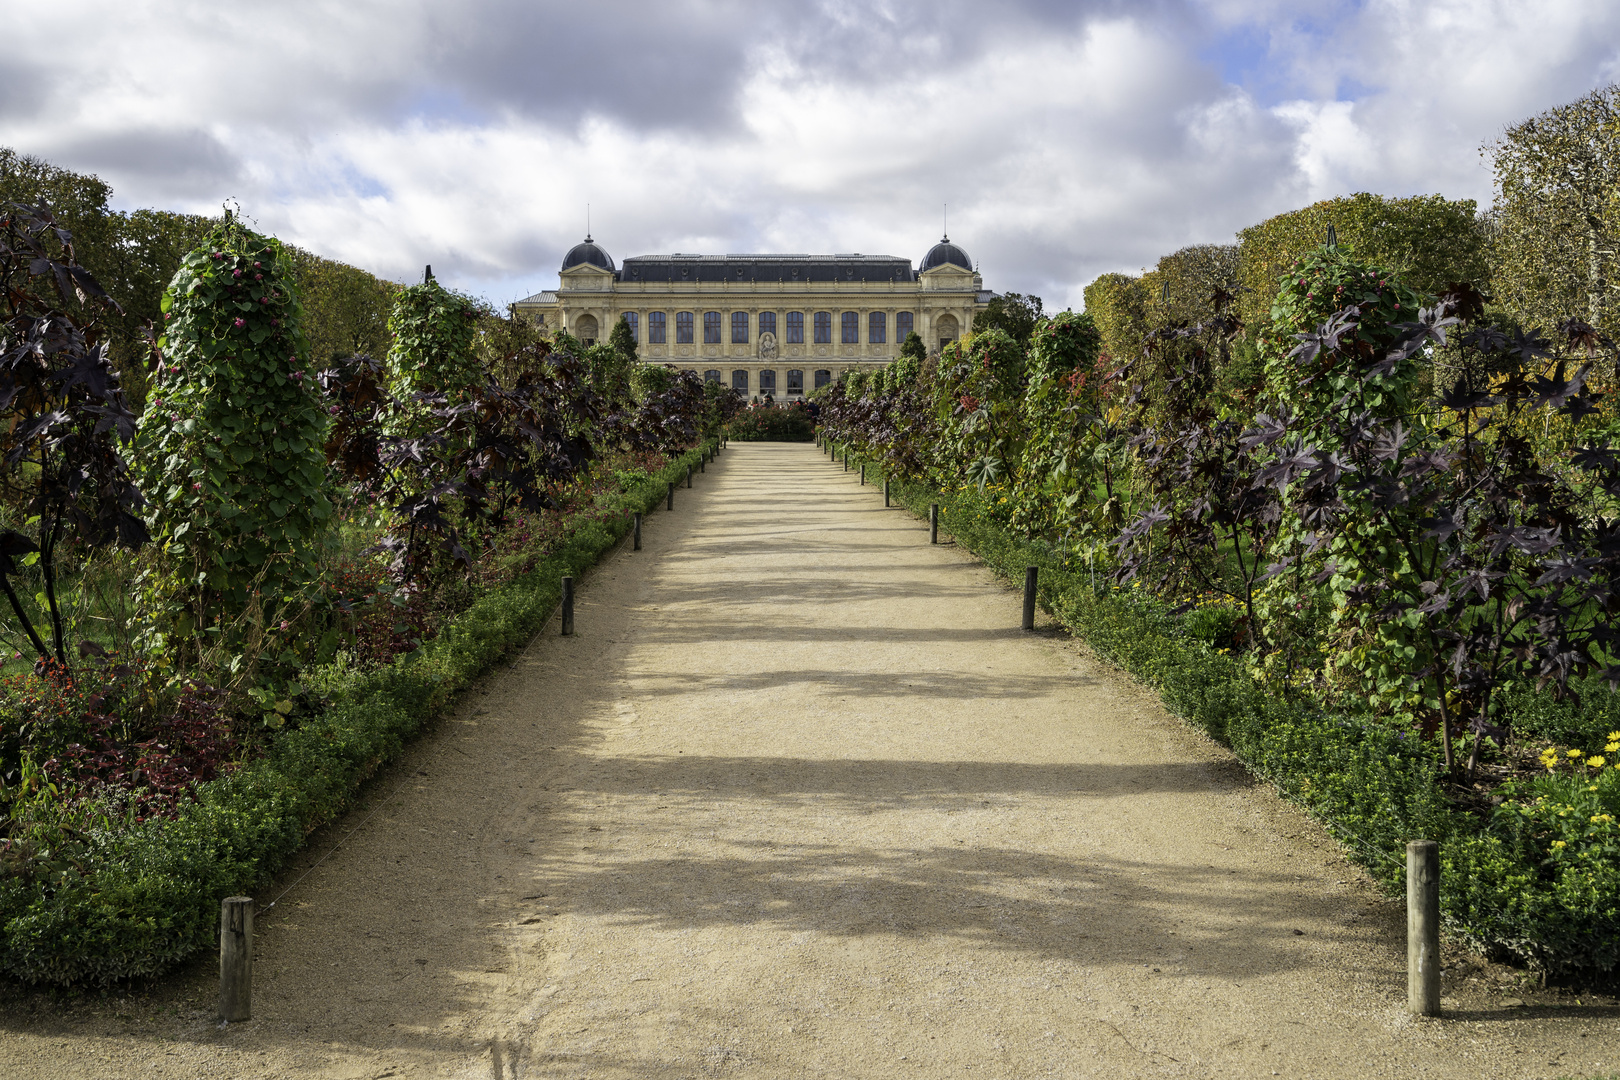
[[135, 254], [1543, 253]]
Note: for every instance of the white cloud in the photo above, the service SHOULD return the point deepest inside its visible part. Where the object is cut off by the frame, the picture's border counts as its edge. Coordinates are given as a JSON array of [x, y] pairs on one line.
[[1068, 139]]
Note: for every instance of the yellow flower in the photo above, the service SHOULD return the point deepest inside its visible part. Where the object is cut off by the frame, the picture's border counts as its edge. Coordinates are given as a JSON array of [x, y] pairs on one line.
[[1595, 761], [1614, 736], [1612, 747], [1559, 844], [1602, 819], [1574, 753]]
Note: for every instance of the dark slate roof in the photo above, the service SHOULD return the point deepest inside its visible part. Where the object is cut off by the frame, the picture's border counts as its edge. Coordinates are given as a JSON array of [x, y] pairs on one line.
[[789, 268], [588, 251], [946, 252]]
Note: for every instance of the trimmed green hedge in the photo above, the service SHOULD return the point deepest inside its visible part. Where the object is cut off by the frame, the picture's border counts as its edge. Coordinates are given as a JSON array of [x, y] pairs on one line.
[[148, 898], [1372, 784], [780, 423]]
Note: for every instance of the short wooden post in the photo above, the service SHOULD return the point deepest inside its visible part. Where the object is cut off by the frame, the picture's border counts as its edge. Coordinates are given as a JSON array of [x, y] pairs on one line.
[[933, 523], [567, 606], [885, 491], [1030, 574], [689, 476], [637, 545], [1423, 927], [703, 463], [669, 502], [863, 474], [236, 959], [846, 459]]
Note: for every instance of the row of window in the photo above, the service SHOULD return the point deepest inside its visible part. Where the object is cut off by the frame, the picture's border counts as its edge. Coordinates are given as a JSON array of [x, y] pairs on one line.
[[877, 327], [767, 380]]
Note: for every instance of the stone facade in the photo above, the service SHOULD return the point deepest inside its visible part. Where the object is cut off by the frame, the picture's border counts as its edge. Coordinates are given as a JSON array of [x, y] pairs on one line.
[[765, 324]]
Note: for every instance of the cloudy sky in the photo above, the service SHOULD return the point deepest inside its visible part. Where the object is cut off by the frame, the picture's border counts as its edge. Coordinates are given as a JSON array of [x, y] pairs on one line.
[[1068, 138]]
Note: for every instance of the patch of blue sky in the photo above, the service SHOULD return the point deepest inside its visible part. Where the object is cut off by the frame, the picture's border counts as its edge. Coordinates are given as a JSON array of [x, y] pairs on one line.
[[440, 105], [1280, 59], [359, 183]]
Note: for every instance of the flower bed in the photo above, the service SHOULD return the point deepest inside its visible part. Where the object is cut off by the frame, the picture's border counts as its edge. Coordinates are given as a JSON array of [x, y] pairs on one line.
[[1535, 877], [110, 897]]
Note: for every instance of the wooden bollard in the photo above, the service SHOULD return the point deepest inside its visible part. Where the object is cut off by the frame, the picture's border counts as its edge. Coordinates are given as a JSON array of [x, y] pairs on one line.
[[689, 476], [669, 502], [236, 959], [637, 544], [567, 606], [863, 474], [1423, 927], [885, 491], [703, 463], [1030, 574], [846, 459], [933, 523]]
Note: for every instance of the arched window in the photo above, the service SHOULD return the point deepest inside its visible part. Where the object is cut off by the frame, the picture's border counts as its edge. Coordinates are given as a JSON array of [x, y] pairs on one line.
[[739, 380], [946, 325], [795, 328], [739, 327], [655, 328], [634, 322], [767, 324], [711, 328], [767, 382], [683, 328], [712, 375], [823, 328], [851, 328], [823, 378], [795, 383], [585, 329], [877, 328], [902, 326]]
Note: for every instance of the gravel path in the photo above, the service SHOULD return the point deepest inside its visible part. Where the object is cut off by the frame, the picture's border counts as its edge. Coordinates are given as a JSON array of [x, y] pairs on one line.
[[797, 801]]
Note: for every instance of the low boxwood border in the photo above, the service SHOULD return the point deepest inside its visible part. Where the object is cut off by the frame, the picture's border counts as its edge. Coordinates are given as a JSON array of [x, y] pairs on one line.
[[148, 898], [1371, 784]]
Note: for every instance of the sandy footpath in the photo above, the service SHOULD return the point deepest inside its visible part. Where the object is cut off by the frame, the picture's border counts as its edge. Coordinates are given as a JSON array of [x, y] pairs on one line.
[[799, 800]]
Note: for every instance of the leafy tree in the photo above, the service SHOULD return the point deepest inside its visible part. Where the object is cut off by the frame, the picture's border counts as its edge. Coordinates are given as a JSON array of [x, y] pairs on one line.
[[612, 363], [648, 380], [622, 341], [1428, 241], [229, 449], [346, 309], [1557, 215], [1012, 313], [66, 419], [913, 348], [1181, 289], [1118, 304]]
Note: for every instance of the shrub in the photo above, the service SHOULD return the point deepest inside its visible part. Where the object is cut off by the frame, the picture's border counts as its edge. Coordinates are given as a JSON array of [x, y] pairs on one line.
[[772, 423], [66, 421], [229, 450], [433, 331]]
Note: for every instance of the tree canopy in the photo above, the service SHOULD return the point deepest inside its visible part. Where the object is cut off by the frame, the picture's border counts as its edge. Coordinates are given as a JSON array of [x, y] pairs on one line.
[[1013, 313], [1557, 213]]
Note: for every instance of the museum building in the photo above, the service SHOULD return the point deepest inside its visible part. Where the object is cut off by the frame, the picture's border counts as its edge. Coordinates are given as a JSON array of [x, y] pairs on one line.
[[765, 324]]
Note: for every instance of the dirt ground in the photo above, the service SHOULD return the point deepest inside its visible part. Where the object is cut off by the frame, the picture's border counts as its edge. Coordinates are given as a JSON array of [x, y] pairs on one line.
[[800, 800]]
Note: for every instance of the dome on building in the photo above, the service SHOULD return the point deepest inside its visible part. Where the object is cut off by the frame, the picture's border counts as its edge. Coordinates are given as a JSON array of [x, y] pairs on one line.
[[945, 252], [587, 253]]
